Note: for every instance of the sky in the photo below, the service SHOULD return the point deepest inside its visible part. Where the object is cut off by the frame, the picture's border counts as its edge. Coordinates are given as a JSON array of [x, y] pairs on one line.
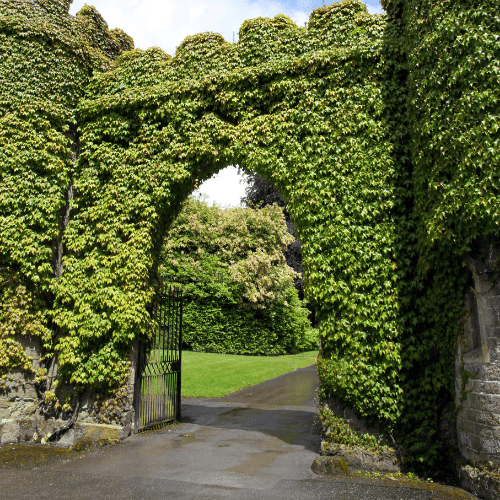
[[165, 24], [225, 189]]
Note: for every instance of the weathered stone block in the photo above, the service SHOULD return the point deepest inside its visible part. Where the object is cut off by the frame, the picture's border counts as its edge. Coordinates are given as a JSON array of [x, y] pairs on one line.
[[475, 366], [495, 432], [352, 456], [492, 346], [335, 466], [90, 435], [481, 359], [487, 387], [355, 422], [482, 417], [465, 439], [484, 431], [491, 447], [470, 385], [9, 431], [484, 402], [491, 372], [25, 391], [80, 436], [68, 439], [475, 444], [381, 462], [466, 403], [4, 413], [16, 430], [466, 426], [21, 402], [484, 484], [358, 458], [490, 302]]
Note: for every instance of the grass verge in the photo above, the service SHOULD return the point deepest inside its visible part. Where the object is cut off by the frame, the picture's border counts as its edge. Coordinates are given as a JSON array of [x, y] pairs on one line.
[[213, 375]]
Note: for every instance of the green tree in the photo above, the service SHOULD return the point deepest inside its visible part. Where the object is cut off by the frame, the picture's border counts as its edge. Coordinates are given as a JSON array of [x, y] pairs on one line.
[[239, 293]]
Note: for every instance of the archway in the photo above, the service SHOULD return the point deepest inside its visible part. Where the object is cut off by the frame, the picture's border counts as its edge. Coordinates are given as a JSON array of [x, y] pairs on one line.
[[300, 106], [317, 110], [332, 114]]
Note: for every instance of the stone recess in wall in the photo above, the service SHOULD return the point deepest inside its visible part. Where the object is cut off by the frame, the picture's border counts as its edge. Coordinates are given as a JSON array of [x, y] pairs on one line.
[[477, 368]]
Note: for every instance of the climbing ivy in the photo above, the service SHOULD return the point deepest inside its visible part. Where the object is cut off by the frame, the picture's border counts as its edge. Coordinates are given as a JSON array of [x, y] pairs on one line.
[[47, 60], [452, 50], [315, 109], [380, 131]]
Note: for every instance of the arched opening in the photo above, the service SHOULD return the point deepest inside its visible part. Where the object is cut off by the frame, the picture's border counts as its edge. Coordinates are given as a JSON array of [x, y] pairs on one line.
[[322, 134], [299, 106], [239, 298]]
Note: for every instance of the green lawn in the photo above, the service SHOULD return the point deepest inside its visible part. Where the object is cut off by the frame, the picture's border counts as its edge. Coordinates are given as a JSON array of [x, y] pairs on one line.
[[214, 375]]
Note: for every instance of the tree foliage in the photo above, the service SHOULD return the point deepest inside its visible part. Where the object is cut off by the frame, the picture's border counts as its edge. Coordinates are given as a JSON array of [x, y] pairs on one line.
[[238, 290], [260, 193]]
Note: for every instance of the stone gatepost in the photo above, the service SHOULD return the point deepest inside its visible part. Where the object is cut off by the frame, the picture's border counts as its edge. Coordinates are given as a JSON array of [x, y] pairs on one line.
[[26, 416], [477, 362]]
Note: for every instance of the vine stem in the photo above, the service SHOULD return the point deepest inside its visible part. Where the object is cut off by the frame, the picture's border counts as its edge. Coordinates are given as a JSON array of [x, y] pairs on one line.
[[59, 432], [398, 449]]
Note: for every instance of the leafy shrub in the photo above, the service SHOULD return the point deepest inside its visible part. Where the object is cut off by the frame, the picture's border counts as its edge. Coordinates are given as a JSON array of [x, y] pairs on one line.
[[238, 291], [259, 193]]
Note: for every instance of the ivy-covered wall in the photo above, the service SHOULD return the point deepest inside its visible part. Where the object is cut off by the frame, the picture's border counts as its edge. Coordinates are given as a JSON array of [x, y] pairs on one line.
[[380, 131], [318, 110], [47, 59], [453, 51]]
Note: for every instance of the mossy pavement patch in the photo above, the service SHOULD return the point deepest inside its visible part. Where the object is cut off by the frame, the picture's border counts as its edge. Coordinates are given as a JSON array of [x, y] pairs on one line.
[[29, 456]]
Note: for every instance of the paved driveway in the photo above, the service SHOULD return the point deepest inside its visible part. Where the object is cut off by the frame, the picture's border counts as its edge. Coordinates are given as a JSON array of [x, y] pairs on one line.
[[258, 443]]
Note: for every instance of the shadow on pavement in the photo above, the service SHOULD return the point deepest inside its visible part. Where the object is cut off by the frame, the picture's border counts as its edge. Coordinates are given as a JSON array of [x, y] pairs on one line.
[[292, 426]]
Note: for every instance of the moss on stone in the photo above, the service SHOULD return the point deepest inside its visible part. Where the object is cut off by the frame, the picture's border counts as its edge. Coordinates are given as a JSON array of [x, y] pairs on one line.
[[87, 443], [26, 456]]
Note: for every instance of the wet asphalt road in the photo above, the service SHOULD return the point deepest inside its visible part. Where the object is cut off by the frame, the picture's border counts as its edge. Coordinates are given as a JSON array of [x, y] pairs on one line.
[[258, 443]]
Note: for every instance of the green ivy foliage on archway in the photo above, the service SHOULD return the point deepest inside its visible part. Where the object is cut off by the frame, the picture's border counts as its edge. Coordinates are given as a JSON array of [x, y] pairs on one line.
[[321, 120], [452, 50], [47, 61], [349, 117]]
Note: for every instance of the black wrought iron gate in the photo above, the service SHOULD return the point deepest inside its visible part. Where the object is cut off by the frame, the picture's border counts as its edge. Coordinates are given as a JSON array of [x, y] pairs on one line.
[[158, 385]]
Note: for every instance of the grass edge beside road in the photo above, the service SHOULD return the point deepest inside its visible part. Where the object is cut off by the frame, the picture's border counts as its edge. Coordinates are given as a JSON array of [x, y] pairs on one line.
[[213, 375]]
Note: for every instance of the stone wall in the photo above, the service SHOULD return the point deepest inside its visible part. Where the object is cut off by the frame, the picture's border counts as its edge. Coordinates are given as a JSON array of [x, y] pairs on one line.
[[20, 397], [477, 369], [26, 416]]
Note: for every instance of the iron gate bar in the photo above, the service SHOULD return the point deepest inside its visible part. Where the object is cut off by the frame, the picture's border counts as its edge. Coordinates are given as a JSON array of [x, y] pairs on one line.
[[158, 382]]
